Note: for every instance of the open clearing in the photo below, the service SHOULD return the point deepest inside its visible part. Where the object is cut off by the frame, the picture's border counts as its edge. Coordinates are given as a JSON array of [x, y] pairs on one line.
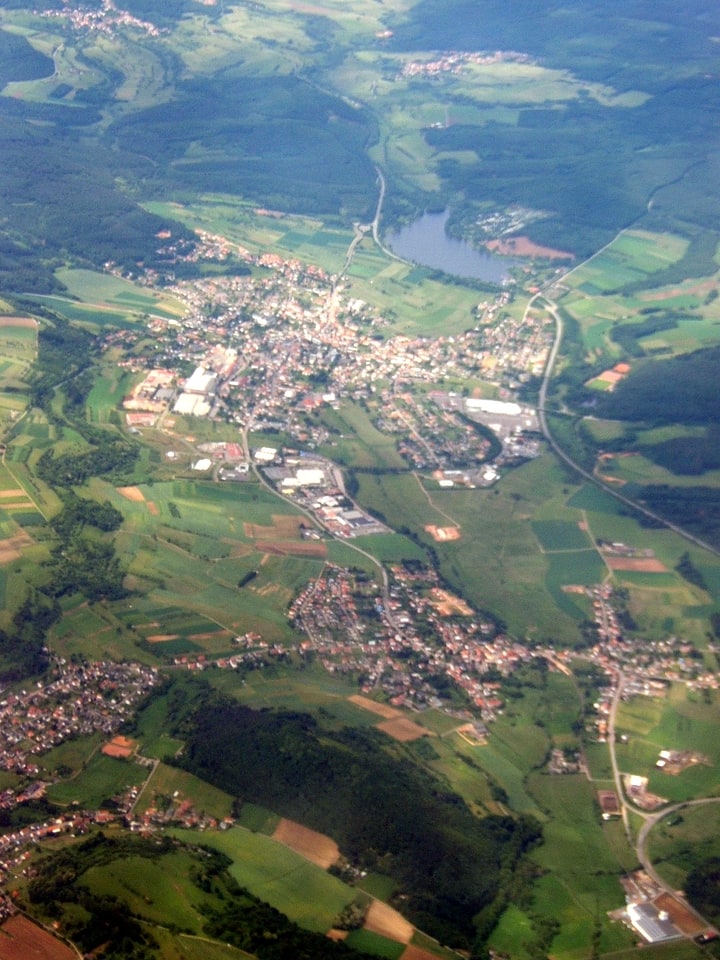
[[314, 846], [289, 548], [11, 548], [447, 604], [442, 534], [283, 527], [643, 564], [683, 918], [412, 952], [381, 709], [388, 923], [21, 939], [134, 494], [524, 247], [403, 730], [26, 323]]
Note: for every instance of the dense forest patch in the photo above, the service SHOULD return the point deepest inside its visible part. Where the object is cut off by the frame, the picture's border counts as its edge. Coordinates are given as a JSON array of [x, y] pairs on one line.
[[280, 141], [680, 390], [383, 811]]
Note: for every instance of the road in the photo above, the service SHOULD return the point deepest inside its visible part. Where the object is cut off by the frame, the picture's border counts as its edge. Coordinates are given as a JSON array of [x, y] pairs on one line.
[[552, 308], [619, 681], [650, 821]]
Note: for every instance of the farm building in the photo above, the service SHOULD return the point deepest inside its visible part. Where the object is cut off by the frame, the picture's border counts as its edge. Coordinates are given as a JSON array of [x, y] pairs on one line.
[[652, 924]]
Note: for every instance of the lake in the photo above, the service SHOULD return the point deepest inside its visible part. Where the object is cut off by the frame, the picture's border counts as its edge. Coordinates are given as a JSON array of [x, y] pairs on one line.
[[425, 241]]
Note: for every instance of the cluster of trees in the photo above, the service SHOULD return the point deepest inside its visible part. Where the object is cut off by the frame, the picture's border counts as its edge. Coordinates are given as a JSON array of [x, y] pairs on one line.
[[628, 335], [103, 923], [95, 921], [77, 512], [254, 926], [687, 569], [115, 458], [269, 139], [680, 390], [696, 509], [456, 871], [702, 887], [23, 651]]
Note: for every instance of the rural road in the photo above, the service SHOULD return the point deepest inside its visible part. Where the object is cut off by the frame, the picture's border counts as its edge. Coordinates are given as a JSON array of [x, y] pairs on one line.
[[620, 679], [651, 819], [641, 846], [553, 309]]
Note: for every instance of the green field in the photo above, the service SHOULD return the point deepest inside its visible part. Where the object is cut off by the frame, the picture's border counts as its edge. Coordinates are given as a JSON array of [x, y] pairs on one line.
[[160, 892], [171, 783], [105, 290], [555, 535], [680, 721], [102, 778], [684, 838], [278, 875]]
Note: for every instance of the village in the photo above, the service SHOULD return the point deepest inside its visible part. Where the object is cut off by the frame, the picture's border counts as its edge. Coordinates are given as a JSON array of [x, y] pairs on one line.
[[269, 350], [78, 700]]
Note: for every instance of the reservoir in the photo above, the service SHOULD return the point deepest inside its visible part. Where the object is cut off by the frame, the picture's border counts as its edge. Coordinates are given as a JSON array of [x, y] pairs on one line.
[[425, 242]]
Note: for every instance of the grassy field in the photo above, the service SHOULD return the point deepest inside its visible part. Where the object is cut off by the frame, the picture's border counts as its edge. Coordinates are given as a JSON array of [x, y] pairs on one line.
[[185, 546], [683, 839], [680, 721], [278, 875], [170, 782], [159, 891], [106, 290], [103, 777], [598, 303]]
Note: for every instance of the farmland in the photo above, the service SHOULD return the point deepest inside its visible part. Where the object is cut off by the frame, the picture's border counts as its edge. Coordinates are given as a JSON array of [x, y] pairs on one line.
[[23, 938], [181, 177], [283, 878]]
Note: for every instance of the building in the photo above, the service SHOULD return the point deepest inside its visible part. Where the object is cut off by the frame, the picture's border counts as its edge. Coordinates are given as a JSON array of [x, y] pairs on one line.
[[652, 924]]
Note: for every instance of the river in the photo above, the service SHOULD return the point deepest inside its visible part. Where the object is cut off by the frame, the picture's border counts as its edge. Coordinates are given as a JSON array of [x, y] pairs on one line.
[[425, 242]]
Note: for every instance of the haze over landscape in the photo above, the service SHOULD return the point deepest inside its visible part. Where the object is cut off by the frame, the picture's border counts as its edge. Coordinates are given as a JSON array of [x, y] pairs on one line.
[[360, 479]]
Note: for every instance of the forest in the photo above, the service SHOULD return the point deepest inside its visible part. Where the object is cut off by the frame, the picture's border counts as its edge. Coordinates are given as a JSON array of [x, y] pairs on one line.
[[680, 390], [456, 872]]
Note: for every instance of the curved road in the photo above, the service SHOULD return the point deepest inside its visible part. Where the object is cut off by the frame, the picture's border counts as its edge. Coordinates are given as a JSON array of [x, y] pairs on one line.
[[651, 819], [650, 822]]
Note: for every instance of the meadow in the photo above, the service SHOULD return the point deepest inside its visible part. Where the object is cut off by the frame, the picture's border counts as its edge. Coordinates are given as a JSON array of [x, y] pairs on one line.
[[160, 892], [680, 721], [101, 778], [683, 839], [106, 290], [305, 893], [168, 783]]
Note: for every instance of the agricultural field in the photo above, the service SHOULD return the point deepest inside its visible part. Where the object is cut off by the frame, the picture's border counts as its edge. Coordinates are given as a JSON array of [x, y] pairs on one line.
[[679, 721], [104, 290], [18, 349], [187, 545], [682, 839], [100, 779], [171, 783], [301, 890], [102, 300], [23, 938]]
